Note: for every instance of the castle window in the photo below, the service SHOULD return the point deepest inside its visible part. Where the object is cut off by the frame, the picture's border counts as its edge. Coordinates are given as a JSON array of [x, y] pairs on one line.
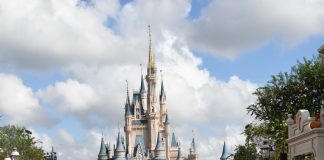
[[137, 116]]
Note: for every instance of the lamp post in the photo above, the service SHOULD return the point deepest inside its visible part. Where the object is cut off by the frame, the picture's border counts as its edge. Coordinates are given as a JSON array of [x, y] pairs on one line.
[[266, 147], [15, 154]]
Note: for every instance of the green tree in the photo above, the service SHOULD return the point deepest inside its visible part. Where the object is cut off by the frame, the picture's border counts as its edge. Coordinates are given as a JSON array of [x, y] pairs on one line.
[[13, 136], [301, 88]]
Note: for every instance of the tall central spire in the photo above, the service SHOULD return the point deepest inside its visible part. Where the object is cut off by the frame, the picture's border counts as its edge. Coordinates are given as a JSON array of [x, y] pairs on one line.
[[151, 56]]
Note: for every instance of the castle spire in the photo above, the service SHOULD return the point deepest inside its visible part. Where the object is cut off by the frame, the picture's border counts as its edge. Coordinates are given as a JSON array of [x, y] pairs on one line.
[[127, 94], [224, 153], [151, 56], [162, 93], [142, 89], [179, 157], [102, 154], [174, 141]]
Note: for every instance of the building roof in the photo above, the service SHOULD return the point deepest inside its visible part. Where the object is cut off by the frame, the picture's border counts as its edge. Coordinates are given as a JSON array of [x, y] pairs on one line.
[[193, 145], [120, 145], [224, 153], [162, 93], [159, 145], [102, 151], [179, 156], [142, 89], [173, 141]]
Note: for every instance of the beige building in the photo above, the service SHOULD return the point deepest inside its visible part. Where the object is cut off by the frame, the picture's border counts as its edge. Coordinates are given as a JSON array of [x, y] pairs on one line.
[[305, 136], [147, 126]]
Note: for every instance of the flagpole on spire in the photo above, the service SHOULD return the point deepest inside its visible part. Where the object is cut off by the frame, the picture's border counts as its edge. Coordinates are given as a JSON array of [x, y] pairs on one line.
[[151, 56]]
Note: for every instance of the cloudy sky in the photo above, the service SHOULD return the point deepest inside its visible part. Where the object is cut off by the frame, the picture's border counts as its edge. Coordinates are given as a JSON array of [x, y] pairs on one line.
[[63, 64]]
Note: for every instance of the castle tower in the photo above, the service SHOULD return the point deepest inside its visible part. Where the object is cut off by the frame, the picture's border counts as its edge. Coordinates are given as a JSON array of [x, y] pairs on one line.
[[167, 137], [179, 156], [103, 153], [110, 151], [192, 151], [224, 153], [120, 149], [128, 121], [159, 149], [163, 109], [143, 94]]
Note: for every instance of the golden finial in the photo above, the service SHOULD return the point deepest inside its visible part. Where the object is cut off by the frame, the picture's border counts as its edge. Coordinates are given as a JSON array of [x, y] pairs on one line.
[[151, 56]]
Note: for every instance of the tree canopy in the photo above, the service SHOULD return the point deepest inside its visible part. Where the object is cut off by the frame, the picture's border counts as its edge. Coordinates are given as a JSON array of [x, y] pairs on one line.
[[287, 92], [13, 136]]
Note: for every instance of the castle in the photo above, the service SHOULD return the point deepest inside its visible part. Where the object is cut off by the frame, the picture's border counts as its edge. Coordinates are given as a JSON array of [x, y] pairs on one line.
[[147, 127]]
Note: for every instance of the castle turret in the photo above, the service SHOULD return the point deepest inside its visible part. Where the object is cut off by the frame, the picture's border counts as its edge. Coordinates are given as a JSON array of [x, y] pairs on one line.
[[167, 137], [159, 149], [173, 141], [102, 153], [179, 157], [143, 94], [120, 149], [163, 109], [192, 151], [224, 153], [128, 121], [110, 151]]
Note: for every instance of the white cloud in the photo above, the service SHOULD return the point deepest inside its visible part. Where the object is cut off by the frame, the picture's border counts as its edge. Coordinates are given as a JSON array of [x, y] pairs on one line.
[[19, 105], [69, 96], [230, 27]]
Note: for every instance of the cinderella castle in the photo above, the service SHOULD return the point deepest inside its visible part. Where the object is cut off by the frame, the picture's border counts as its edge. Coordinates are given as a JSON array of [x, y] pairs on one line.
[[147, 126]]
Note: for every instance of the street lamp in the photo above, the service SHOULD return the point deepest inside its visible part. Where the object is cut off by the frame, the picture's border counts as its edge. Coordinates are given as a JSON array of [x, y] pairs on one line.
[[15, 154], [266, 147]]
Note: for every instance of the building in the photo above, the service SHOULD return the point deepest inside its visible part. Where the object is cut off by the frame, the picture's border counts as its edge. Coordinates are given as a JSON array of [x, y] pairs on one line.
[[147, 126]]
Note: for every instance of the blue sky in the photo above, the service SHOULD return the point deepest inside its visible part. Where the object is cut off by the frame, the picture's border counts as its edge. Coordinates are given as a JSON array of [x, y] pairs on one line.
[[64, 64]]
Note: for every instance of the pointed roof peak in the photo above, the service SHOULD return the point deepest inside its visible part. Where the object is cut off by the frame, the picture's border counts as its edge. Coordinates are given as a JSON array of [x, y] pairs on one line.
[[159, 144], [142, 89], [179, 153], [224, 153], [167, 119], [102, 151], [174, 143], [120, 146], [127, 93]]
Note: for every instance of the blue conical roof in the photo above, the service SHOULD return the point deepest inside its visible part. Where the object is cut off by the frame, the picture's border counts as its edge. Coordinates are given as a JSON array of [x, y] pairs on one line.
[[159, 145], [102, 148], [173, 141], [193, 145], [224, 154], [120, 146], [162, 93], [127, 109], [179, 154], [167, 119], [142, 89]]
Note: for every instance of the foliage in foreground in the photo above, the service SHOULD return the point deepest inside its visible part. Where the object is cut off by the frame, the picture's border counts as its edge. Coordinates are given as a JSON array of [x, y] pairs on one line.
[[301, 88], [13, 136]]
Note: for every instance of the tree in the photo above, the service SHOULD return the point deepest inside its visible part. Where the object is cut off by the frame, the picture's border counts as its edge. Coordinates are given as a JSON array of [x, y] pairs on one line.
[[302, 88], [13, 136], [244, 152]]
